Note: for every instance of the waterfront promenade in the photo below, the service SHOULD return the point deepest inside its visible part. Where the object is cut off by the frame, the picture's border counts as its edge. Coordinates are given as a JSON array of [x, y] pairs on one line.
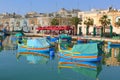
[[104, 39], [82, 37]]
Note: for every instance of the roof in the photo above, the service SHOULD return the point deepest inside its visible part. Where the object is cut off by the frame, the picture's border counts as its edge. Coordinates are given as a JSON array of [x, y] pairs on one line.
[[86, 48], [38, 43]]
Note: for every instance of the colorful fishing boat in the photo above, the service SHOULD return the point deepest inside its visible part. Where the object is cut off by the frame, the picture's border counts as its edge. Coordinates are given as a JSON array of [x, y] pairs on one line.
[[65, 41], [52, 40], [113, 45], [81, 52], [40, 45]]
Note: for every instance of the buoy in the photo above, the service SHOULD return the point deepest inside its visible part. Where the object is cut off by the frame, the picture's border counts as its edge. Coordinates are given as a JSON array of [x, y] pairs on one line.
[[52, 54], [52, 49]]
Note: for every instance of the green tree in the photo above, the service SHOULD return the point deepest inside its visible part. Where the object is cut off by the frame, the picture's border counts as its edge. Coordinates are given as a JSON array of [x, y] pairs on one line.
[[104, 22], [118, 23], [75, 21], [55, 21], [88, 22]]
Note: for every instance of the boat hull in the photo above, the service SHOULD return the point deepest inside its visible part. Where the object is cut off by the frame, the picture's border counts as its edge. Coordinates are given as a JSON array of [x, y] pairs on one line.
[[80, 57]]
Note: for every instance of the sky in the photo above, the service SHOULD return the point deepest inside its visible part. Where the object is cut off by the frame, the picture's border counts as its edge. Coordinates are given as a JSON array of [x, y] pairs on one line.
[[47, 6]]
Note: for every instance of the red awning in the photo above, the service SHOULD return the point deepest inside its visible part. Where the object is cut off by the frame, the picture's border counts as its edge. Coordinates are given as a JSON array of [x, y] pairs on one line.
[[39, 28], [54, 28]]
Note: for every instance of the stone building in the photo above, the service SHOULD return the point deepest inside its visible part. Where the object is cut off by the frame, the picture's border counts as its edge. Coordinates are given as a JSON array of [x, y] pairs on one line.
[[96, 14], [64, 16], [8, 20]]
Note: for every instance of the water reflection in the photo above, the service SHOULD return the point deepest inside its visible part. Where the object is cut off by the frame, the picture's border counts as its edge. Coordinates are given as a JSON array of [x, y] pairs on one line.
[[112, 57], [89, 69], [34, 58], [108, 56]]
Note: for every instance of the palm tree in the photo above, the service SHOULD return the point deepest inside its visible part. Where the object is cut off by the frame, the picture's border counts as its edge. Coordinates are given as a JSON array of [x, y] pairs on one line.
[[55, 21], [75, 21], [118, 23], [88, 22], [104, 22]]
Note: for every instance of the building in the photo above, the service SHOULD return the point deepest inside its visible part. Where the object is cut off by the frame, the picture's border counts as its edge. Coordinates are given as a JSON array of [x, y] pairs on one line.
[[64, 16], [44, 19], [8, 20], [31, 19], [96, 14]]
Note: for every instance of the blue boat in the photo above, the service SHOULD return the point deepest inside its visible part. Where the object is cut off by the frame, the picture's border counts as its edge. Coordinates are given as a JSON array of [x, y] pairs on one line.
[[52, 39], [79, 52], [82, 52], [40, 45], [65, 41], [111, 45]]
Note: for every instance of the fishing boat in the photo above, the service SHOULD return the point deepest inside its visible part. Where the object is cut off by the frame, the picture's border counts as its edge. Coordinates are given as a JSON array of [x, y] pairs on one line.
[[113, 45], [40, 45], [78, 52], [65, 41], [52, 40], [81, 52]]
